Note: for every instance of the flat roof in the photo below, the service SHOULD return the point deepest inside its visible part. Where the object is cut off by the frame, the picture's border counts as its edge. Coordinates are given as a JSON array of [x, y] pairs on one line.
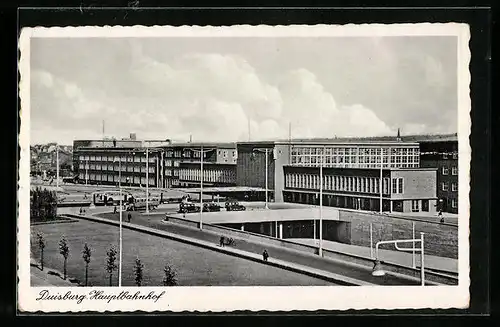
[[228, 145], [391, 139], [224, 189], [255, 216], [305, 142], [365, 168]]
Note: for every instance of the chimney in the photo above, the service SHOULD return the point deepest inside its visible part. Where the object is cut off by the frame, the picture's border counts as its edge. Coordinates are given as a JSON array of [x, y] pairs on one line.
[[133, 136]]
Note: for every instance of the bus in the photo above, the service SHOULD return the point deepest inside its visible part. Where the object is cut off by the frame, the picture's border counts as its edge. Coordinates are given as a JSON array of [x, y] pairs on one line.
[[109, 198], [139, 203]]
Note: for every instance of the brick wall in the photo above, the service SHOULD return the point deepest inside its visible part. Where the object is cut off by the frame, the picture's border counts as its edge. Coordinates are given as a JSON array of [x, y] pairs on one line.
[[439, 239]]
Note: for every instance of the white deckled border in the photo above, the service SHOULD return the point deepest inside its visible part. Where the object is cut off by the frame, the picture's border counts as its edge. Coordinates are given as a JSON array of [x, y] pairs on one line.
[[220, 299]]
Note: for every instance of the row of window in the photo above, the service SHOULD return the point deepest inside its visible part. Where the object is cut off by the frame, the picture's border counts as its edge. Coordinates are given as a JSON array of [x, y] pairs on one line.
[[209, 175], [116, 179], [446, 171], [358, 161], [122, 158], [115, 167], [337, 183], [445, 186], [355, 151]]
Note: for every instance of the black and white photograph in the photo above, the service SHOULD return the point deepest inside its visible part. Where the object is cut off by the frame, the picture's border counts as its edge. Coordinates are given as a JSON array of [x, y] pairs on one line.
[[244, 167]]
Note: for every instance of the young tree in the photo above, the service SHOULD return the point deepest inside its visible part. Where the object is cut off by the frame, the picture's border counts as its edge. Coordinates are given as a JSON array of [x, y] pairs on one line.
[[86, 254], [170, 276], [64, 251], [138, 269], [41, 245], [111, 263]]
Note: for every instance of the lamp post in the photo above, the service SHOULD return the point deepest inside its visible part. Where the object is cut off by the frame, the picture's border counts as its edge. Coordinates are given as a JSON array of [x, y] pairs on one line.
[[266, 151], [86, 172], [121, 205], [320, 251], [381, 183], [57, 166], [202, 154], [377, 269]]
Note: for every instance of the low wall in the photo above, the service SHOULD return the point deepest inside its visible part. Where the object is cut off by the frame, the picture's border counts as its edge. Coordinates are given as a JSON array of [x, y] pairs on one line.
[[439, 239], [333, 255]]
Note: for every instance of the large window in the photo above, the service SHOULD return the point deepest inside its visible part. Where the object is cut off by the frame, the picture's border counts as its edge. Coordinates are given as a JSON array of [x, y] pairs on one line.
[[444, 186], [454, 170], [454, 187], [397, 185], [444, 170], [415, 205], [454, 203]]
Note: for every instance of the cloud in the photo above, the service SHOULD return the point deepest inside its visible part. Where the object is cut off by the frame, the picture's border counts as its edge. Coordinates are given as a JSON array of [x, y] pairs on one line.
[[207, 95]]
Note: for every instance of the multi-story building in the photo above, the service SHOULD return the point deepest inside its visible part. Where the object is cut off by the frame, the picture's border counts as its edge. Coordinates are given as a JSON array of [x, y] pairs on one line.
[[183, 164], [168, 165], [442, 153], [352, 170]]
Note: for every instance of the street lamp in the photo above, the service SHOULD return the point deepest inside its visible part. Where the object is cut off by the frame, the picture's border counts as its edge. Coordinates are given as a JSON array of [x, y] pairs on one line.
[[147, 176], [86, 171], [202, 153], [381, 181], [57, 166], [266, 151], [320, 250], [377, 269], [121, 199]]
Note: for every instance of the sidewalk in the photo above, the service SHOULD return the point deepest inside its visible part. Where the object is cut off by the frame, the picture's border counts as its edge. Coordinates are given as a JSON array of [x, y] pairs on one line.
[[396, 257]]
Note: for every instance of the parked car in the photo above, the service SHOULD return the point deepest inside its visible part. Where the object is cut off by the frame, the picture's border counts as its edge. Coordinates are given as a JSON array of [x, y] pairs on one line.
[[187, 207], [211, 207], [234, 206]]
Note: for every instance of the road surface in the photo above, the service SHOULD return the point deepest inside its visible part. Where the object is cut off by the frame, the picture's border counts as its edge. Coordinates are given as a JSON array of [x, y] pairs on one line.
[[297, 257]]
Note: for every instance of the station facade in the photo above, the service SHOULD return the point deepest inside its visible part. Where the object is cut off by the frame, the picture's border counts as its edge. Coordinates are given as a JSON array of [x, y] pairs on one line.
[[356, 174], [410, 174]]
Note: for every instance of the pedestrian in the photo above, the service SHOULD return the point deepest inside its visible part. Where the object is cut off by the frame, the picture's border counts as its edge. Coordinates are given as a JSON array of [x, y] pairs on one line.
[[442, 220], [265, 255], [114, 210], [221, 241], [81, 210], [129, 216]]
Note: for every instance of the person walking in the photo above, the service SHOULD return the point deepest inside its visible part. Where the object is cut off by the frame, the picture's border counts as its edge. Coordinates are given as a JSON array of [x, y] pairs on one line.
[[221, 241], [265, 255], [114, 210], [129, 217]]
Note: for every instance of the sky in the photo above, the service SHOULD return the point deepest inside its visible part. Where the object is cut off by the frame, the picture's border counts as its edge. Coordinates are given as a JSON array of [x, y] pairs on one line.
[[241, 88]]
